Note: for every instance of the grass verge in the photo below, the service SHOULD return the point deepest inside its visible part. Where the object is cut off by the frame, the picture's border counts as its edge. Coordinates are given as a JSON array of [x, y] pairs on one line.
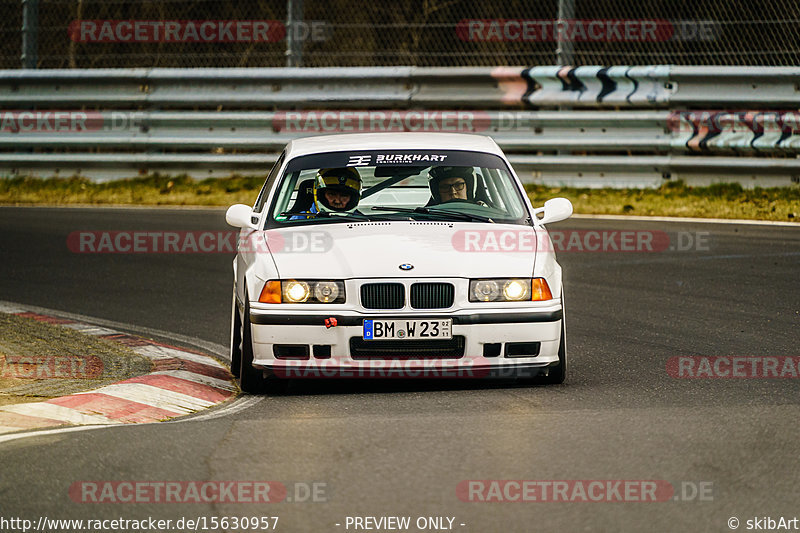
[[672, 199], [679, 200]]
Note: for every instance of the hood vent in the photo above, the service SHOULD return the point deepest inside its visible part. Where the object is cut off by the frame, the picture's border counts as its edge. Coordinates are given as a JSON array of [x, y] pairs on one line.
[[448, 224], [358, 224]]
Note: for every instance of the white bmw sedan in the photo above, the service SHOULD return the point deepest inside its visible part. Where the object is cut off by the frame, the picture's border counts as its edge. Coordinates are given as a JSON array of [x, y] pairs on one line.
[[395, 255]]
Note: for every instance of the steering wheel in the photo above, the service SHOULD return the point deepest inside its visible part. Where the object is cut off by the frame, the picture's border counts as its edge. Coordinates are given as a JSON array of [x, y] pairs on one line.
[[464, 201], [458, 200]]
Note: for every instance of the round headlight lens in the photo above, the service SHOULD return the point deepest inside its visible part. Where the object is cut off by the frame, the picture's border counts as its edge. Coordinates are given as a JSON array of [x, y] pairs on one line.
[[326, 291], [296, 291], [515, 289], [486, 290]]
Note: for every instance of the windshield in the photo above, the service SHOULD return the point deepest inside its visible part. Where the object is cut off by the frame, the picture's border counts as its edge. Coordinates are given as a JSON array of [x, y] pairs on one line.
[[397, 185]]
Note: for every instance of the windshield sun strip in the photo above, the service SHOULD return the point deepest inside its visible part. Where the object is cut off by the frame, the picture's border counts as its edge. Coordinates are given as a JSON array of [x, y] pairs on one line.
[[487, 175]]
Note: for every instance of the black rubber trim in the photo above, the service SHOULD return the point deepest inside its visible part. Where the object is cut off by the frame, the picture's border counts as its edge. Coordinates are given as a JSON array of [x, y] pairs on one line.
[[478, 318], [492, 371], [508, 318]]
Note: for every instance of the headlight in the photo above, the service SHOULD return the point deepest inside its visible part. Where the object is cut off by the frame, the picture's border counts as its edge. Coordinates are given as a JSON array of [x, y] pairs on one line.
[[516, 289], [509, 290], [484, 290], [297, 291], [326, 291]]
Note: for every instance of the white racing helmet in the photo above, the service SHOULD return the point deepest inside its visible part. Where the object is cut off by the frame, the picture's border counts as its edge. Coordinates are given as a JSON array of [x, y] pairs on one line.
[[343, 180]]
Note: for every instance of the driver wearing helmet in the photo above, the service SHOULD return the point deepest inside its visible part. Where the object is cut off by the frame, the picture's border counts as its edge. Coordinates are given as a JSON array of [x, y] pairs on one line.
[[335, 190], [448, 184]]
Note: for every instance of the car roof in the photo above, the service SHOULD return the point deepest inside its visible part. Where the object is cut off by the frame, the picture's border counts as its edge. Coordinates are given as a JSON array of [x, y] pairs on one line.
[[392, 141]]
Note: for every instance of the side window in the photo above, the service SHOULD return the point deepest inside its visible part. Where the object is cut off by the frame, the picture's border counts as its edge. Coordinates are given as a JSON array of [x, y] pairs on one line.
[[273, 174]]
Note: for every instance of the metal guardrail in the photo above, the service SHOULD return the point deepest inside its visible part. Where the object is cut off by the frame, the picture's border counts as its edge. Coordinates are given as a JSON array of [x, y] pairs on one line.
[[404, 87], [258, 88], [516, 132], [626, 126]]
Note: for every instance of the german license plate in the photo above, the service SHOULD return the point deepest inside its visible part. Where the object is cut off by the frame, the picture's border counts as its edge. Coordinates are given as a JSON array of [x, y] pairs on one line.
[[407, 329]]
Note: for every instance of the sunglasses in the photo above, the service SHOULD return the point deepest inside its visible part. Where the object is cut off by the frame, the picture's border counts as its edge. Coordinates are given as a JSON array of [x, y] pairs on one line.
[[456, 187]]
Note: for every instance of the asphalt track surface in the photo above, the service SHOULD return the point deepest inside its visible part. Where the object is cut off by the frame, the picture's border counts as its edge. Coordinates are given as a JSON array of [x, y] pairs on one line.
[[400, 448]]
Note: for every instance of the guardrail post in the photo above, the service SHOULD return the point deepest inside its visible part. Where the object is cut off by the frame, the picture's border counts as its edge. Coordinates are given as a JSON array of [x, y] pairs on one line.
[[30, 33], [294, 46], [565, 50]]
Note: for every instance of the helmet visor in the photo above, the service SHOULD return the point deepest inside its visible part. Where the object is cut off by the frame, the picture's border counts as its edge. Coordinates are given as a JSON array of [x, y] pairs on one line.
[[340, 182]]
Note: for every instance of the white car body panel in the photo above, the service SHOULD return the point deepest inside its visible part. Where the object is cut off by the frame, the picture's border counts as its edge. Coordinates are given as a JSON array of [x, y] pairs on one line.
[[376, 249]]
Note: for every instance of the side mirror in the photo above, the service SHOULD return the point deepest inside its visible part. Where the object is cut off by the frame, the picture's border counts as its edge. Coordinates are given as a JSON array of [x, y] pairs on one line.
[[556, 210], [238, 216]]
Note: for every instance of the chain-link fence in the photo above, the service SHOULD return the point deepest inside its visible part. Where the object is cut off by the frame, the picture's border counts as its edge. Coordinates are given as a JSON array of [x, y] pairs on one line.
[[273, 33]]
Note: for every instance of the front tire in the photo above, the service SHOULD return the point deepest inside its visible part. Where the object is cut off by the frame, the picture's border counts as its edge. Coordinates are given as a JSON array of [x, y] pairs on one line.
[[236, 339], [252, 379]]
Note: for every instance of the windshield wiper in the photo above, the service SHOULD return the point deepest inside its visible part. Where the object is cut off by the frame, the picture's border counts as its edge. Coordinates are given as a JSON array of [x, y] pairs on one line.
[[435, 212]]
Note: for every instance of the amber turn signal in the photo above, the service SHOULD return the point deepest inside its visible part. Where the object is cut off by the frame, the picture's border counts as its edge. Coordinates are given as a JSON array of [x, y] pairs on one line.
[[540, 290], [271, 293]]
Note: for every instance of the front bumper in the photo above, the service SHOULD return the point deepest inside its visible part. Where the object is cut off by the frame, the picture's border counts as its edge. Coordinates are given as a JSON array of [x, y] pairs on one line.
[[499, 328]]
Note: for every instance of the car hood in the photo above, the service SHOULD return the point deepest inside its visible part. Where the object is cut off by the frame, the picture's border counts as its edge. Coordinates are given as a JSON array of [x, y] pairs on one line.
[[377, 249]]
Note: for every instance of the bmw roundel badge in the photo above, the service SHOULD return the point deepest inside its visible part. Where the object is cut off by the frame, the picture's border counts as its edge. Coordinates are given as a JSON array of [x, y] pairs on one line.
[[406, 266]]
